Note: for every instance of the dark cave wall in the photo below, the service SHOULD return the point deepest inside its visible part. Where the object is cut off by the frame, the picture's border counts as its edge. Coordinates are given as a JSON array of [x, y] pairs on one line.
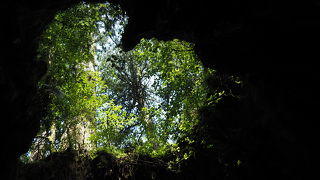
[[271, 45]]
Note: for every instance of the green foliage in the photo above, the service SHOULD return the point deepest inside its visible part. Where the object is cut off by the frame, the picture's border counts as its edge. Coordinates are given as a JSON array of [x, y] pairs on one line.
[[72, 82], [142, 101], [160, 84]]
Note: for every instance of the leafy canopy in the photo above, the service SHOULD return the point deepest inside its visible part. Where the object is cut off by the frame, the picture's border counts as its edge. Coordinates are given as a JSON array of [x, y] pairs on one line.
[[160, 87], [144, 100]]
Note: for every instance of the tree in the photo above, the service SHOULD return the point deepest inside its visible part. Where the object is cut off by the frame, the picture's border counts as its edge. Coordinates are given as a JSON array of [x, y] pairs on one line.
[[143, 100], [72, 82], [159, 83]]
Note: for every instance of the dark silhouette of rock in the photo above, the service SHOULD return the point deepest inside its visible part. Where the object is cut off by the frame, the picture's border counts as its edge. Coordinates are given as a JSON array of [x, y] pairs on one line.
[[272, 45]]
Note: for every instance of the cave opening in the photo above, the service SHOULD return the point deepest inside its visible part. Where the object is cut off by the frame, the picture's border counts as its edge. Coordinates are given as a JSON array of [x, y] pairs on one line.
[[100, 98], [263, 130]]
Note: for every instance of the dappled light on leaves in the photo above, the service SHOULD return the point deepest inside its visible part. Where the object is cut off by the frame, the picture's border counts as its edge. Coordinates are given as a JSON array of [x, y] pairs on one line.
[[145, 101], [160, 84]]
